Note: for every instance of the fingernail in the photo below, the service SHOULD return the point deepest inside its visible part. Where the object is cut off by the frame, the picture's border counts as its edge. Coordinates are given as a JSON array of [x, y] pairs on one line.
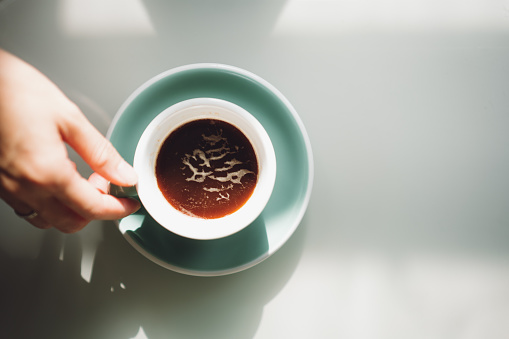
[[127, 173]]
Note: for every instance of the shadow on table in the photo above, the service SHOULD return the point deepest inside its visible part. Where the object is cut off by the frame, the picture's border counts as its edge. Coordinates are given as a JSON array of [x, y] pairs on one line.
[[128, 295], [47, 297]]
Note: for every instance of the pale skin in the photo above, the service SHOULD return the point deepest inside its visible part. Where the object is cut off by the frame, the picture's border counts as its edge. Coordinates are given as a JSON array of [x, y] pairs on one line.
[[36, 174]]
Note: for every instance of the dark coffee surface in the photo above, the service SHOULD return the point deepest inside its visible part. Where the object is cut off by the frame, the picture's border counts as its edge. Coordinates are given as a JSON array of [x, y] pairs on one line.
[[207, 168]]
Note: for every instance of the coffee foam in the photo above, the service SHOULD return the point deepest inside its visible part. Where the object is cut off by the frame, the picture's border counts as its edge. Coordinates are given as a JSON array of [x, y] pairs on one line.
[[203, 159]]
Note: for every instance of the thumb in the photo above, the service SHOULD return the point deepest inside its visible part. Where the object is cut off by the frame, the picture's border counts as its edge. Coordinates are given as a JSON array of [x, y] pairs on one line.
[[97, 151]]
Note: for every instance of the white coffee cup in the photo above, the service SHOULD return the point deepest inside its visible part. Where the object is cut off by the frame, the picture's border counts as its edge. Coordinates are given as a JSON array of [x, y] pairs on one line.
[[147, 151]]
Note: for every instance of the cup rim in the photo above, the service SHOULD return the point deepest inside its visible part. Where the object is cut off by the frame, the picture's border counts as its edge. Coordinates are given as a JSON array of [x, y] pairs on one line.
[[153, 137]]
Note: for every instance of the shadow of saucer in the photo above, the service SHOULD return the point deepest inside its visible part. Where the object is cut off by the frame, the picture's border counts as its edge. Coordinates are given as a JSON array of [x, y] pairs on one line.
[[168, 304]]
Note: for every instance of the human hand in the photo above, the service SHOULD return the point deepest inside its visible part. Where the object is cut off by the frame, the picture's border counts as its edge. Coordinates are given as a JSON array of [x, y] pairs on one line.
[[36, 174]]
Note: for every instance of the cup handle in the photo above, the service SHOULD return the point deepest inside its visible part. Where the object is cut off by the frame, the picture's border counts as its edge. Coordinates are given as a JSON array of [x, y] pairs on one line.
[[121, 191]]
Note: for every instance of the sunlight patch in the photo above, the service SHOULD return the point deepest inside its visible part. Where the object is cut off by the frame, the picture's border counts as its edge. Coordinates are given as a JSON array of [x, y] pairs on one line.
[[96, 18]]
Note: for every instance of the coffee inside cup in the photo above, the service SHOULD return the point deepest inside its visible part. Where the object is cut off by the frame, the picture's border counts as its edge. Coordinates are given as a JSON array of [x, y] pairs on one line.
[[207, 168]]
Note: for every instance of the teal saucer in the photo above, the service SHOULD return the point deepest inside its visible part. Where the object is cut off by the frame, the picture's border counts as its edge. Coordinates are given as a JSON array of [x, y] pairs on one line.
[[294, 178]]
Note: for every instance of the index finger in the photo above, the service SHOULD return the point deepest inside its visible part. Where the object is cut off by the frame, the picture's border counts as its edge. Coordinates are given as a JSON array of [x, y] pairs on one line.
[[96, 150]]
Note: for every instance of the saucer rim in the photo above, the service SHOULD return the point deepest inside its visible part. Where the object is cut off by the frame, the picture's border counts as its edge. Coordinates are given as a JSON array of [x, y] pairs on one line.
[[305, 137]]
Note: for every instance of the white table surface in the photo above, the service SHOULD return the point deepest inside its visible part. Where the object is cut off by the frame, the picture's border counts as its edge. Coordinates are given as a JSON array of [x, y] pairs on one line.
[[407, 231]]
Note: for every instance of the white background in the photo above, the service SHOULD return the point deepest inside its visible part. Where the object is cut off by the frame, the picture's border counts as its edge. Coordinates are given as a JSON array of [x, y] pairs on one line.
[[407, 231]]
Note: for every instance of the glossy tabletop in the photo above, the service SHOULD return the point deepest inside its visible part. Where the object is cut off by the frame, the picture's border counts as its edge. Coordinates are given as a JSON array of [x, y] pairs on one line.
[[406, 104]]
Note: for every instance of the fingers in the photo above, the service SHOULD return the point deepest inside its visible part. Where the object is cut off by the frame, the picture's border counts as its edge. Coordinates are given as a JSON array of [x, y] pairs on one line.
[[97, 151], [99, 182], [71, 207], [21, 208], [36, 221], [49, 211], [52, 213], [88, 201]]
